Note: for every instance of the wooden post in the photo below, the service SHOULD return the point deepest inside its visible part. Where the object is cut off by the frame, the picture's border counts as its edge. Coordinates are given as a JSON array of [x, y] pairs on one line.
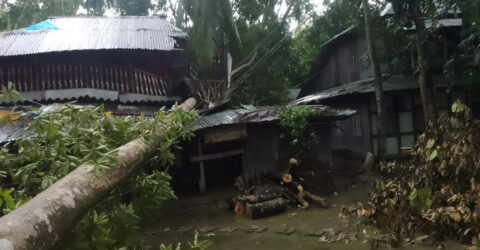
[[201, 182]]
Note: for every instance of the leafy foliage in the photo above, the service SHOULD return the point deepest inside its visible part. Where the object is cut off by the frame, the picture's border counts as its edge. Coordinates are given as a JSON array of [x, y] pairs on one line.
[[437, 191], [294, 121], [464, 67], [21, 13], [307, 41], [69, 135], [212, 19], [195, 245], [9, 95]]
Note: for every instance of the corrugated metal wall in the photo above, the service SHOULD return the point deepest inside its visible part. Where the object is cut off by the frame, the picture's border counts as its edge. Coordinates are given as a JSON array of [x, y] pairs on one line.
[[265, 152], [319, 158], [261, 151]]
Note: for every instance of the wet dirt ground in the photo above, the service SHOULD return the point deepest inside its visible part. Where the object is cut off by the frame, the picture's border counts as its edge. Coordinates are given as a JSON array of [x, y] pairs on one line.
[[294, 229]]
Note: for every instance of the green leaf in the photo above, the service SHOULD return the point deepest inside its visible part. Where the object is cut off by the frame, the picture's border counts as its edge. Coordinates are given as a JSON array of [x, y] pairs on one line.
[[454, 107], [413, 196], [380, 184], [433, 155], [430, 143]]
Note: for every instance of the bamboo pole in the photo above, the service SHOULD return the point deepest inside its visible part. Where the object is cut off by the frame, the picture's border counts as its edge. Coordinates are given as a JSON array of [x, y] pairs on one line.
[[42, 221]]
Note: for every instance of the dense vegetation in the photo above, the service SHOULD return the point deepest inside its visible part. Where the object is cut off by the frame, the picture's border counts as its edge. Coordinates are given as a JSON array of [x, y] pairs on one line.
[[281, 38], [277, 41], [436, 191], [294, 122], [69, 135]]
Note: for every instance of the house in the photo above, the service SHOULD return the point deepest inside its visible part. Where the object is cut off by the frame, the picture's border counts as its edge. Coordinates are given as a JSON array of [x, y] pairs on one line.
[[342, 77], [119, 60], [133, 65], [246, 141]]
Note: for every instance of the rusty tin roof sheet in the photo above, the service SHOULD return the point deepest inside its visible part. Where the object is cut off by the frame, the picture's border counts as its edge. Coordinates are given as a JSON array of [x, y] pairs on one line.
[[251, 114], [93, 33], [16, 130]]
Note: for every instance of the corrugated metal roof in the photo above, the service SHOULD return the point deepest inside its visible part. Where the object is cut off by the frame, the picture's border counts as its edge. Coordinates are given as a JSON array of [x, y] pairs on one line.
[[93, 33], [224, 117], [390, 83], [446, 22], [16, 130], [268, 114], [250, 114]]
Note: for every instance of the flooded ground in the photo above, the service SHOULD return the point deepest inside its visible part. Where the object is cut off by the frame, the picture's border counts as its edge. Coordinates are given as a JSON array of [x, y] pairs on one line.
[[294, 229]]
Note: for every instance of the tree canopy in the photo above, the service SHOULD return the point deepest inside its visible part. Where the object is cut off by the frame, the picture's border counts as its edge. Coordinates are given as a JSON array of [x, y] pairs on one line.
[[281, 38]]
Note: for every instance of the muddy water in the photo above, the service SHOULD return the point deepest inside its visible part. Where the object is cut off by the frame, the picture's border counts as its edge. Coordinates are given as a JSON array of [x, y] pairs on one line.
[[208, 215]]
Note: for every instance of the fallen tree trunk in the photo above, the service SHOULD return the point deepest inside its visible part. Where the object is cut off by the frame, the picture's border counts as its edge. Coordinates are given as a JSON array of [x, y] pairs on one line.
[[266, 208], [42, 221], [260, 197]]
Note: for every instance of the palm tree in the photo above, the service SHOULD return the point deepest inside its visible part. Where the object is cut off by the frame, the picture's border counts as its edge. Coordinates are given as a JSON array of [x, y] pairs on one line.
[[212, 23]]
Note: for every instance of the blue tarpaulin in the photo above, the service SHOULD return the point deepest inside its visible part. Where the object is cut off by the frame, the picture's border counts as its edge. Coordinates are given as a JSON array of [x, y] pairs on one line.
[[44, 25]]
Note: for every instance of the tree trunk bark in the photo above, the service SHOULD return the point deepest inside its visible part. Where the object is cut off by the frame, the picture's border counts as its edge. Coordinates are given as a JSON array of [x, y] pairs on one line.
[[42, 221], [264, 209], [261, 197], [382, 147], [425, 76]]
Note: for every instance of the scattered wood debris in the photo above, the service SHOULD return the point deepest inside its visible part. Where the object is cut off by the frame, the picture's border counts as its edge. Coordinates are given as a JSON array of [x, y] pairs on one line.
[[272, 195]]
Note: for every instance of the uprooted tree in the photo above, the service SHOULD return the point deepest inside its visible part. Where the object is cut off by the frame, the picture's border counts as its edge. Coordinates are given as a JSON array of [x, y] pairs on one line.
[[90, 172]]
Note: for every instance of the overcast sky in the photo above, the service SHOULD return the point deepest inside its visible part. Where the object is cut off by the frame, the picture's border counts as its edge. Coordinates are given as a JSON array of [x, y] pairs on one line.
[[318, 5]]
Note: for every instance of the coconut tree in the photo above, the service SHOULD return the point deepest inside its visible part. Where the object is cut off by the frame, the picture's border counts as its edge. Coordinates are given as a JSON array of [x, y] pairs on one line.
[[212, 25]]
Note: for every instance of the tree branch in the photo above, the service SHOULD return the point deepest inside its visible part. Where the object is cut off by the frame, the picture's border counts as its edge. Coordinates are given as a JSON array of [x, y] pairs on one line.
[[236, 70]]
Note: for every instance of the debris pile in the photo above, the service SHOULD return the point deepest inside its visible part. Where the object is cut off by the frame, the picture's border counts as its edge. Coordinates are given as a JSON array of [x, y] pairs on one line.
[[438, 190], [272, 195]]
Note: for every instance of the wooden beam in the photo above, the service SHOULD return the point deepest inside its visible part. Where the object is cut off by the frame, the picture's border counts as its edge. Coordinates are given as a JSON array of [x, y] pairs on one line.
[[214, 135], [201, 183], [216, 155]]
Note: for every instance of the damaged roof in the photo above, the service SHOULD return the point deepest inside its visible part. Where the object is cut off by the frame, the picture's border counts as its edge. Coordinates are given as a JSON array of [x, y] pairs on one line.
[[268, 114], [390, 83], [251, 114], [16, 130], [224, 117], [58, 34]]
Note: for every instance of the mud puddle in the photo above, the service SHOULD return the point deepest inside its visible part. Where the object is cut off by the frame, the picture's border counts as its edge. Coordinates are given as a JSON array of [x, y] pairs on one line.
[[315, 228]]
